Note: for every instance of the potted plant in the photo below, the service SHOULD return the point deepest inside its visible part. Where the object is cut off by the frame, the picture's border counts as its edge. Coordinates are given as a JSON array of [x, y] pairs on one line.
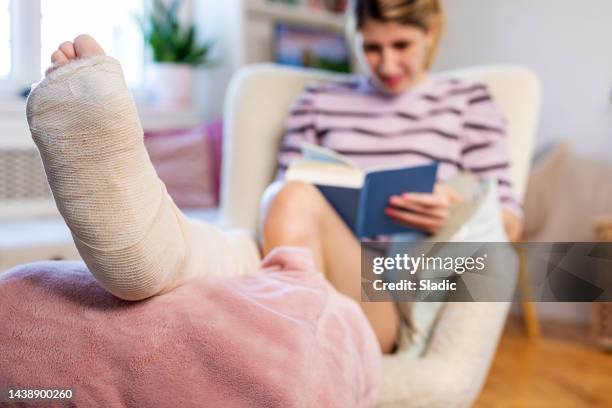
[[176, 53]]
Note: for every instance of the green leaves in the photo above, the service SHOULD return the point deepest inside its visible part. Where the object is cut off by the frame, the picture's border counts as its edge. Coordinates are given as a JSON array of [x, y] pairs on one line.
[[169, 40]]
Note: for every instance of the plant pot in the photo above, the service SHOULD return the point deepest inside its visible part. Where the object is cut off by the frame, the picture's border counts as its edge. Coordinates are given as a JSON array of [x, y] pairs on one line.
[[170, 85]]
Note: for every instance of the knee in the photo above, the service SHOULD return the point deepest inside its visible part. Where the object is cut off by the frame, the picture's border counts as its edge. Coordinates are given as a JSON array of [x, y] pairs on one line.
[[292, 198], [290, 207]]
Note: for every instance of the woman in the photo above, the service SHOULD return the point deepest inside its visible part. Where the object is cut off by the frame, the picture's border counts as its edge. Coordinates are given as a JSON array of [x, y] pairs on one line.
[[396, 114], [229, 330], [137, 243]]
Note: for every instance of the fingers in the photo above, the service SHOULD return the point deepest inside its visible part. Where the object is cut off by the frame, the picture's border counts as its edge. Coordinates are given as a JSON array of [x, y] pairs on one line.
[[442, 197], [414, 201], [437, 213], [425, 211], [427, 223]]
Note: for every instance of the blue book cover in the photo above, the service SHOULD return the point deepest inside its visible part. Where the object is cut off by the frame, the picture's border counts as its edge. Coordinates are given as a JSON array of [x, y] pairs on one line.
[[360, 197], [363, 209]]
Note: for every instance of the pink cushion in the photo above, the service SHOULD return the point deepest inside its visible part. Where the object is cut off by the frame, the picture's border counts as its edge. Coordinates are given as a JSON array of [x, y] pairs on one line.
[[186, 161], [280, 337]]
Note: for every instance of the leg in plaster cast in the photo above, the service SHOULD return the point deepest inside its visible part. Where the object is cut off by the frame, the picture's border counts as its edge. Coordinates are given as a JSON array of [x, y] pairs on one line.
[[129, 232], [132, 237]]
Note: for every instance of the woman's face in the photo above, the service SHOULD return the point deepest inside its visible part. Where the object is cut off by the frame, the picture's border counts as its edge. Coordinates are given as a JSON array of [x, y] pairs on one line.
[[395, 53]]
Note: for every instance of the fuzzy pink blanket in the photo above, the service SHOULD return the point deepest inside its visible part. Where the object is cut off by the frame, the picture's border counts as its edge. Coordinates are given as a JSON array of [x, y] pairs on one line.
[[280, 337]]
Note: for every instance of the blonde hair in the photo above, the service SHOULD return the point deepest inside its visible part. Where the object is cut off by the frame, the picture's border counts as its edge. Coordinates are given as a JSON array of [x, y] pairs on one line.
[[425, 14]]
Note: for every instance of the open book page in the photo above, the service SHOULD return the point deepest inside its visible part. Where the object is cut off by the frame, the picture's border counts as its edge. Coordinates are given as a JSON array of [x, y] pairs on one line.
[[321, 154], [325, 174]]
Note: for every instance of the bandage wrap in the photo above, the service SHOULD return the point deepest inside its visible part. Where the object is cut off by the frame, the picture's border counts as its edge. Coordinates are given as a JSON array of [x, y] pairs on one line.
[[127, 229]]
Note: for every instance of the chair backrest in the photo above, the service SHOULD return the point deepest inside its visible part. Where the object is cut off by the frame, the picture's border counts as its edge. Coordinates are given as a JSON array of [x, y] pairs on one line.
[[259, 99]]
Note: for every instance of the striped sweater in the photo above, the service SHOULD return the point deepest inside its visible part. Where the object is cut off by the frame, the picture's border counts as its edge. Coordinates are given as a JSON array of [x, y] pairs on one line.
[[451, 121]]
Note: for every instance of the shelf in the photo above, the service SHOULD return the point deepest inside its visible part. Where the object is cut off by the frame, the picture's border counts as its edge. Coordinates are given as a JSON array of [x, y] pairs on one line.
[[299, 14]]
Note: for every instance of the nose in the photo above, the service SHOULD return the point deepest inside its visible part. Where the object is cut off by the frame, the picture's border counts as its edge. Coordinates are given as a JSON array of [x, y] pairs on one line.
[[389, 64]]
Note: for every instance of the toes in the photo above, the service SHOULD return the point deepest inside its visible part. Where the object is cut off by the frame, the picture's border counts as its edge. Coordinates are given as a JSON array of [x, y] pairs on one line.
[[58, 59], [68, 49], [85, 46]]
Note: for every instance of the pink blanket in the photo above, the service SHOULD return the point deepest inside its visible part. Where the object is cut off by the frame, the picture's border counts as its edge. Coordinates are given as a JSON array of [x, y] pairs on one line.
[[190, 151], [280, 337]]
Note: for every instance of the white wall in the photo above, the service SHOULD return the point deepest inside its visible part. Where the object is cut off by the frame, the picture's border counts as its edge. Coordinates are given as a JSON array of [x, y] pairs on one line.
[[566, 42], [223, 23]]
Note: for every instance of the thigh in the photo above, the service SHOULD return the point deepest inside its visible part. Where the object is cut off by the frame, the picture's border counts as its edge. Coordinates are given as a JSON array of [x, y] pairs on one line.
[[336, 248], [300, 206]]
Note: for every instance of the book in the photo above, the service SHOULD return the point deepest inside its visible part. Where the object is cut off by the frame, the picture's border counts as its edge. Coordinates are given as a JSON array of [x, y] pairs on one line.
[[358, 196]]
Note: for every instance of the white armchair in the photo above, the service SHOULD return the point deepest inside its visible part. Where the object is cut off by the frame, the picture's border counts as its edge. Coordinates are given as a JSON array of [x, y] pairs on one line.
[[463, 342]]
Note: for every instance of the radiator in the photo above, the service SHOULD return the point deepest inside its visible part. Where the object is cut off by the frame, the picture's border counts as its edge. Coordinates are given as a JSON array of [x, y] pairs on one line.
[[24, 191]]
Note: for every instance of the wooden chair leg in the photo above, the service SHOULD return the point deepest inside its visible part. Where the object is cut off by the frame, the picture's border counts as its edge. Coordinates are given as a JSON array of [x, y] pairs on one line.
[[530, 312]]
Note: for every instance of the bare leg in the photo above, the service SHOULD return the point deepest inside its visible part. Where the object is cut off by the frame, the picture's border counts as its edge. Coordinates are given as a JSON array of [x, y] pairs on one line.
[[297, 214]]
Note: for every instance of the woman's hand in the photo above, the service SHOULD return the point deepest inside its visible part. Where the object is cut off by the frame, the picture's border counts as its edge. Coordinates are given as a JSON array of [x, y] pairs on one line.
[[425, 211]]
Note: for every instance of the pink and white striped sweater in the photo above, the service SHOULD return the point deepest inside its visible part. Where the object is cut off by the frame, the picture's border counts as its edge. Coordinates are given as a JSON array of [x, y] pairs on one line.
[[451, 121]]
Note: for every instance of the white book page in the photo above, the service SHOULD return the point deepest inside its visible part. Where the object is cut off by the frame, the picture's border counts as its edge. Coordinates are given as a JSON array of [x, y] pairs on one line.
[[326, 174], [321, 154]]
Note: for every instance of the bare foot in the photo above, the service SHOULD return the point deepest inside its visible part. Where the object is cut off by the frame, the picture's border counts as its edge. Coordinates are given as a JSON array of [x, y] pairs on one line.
[[83, 46]]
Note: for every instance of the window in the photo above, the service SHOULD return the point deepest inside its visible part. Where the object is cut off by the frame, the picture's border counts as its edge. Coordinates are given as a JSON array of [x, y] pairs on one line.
[[31, 29], [5, 39], [112, 24]]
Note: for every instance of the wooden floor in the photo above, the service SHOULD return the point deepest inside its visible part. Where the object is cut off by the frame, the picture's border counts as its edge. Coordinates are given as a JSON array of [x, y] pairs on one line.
[[561, 370]]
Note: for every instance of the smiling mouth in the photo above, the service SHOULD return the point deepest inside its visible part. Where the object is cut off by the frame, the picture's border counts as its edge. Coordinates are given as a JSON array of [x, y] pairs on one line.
[[391, 82]]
